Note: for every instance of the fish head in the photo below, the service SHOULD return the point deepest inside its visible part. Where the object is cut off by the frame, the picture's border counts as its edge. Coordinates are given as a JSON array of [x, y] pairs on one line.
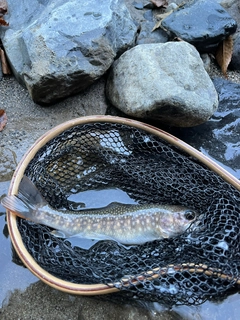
[[178, 221], [182, 219]]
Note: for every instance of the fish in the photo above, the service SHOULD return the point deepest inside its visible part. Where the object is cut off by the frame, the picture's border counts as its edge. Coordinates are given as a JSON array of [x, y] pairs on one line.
[[129, 224]]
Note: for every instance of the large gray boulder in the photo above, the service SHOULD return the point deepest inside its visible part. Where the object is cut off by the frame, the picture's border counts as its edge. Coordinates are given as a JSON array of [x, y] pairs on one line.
[[165, 82], [57, 47]]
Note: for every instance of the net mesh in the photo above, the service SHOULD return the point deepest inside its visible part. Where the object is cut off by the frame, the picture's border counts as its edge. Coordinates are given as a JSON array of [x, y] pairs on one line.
[[199, 264]]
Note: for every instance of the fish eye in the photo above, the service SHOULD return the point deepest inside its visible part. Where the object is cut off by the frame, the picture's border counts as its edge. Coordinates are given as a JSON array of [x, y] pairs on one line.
[[189, 215]]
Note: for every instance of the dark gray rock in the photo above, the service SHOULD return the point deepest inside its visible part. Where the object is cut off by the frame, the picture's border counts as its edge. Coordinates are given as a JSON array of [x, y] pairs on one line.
[[144, 18], [233, 8], [146, 35], [57, 48], [166, 82], [203, 23]]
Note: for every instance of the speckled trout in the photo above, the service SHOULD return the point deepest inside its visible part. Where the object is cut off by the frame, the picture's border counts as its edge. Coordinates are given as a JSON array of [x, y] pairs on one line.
[[124, 223]]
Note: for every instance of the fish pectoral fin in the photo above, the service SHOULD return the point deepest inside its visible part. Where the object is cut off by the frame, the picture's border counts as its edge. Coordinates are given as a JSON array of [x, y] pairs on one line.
[[82, 243], [93, 236], [59, 234]]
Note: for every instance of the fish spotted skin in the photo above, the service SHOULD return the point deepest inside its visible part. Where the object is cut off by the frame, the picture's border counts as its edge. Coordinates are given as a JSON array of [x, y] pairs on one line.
[[124, 223]]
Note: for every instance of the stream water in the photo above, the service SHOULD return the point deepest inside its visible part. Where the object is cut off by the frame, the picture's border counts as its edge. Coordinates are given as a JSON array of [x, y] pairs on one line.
[[12, 275]]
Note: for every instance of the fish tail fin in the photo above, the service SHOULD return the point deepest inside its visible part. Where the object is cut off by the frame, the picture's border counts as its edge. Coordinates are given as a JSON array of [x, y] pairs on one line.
[[18, 206], [26, 203]]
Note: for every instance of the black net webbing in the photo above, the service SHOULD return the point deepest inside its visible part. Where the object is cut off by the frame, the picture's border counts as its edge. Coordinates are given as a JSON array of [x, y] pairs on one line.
[[201, 263]]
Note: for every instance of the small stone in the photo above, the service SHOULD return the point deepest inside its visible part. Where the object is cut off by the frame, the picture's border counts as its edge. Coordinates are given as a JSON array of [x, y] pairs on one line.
[[148, 15], [203, 23], [138, 5], [206, 61], [165, 82], [171, 7]]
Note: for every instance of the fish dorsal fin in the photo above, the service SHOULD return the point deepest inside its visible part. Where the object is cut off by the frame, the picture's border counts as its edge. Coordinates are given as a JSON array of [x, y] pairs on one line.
[[108, 207], [116, 208], [115, 204], [29, 193]]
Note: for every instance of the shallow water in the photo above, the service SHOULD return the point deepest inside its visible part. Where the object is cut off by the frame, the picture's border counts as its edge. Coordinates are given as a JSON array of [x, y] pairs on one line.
[[92, 199], [227, 309], [12, 275], [219, 138]]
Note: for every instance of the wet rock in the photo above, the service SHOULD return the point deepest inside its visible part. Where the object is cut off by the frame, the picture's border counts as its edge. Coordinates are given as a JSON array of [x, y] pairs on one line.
[[235, 62], [166, 82], [58, 48], [219, 138], [232, 7], [144, 18], [203, 23], [146, 35]]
